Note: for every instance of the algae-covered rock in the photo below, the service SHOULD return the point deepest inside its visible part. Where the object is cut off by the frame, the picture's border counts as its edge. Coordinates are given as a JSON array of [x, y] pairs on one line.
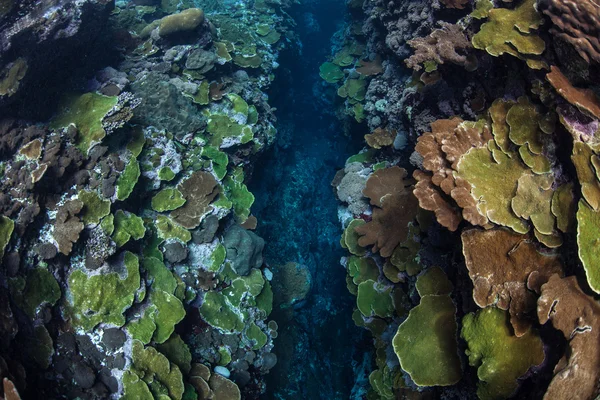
[[501, 357], [291, 284], [244, 249]]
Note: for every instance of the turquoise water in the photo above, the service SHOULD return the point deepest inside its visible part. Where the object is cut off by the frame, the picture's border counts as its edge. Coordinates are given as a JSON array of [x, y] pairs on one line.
[[297, 213]]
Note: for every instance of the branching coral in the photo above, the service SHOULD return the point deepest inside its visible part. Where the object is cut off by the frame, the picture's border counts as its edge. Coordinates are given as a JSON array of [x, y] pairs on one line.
[[577, 22], [395, 206], [500, 263], [576, 315], [68, 226], [448, 44]]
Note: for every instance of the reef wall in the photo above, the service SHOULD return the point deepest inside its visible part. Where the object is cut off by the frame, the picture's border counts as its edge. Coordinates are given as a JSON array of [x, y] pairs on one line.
[[130, 267], [471, 216]]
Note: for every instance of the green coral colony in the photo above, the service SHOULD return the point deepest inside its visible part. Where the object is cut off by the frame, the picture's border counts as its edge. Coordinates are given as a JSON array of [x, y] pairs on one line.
[[470, 218]]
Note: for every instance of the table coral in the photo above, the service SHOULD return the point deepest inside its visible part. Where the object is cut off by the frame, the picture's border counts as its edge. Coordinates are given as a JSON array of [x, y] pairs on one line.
[[577, 23], [575, 314], [500, 357], [500, 264]]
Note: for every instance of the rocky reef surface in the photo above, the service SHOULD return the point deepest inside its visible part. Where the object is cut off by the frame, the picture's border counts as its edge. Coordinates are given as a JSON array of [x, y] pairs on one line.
[[130, 268], [471, 216]]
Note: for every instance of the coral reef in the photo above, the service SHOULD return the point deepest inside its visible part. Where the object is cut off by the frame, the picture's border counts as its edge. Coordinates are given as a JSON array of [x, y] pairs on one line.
[[127, 271], [496, 119]]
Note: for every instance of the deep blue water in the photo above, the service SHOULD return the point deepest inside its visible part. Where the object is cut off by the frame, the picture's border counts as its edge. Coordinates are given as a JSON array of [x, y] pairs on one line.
[[297, 213]]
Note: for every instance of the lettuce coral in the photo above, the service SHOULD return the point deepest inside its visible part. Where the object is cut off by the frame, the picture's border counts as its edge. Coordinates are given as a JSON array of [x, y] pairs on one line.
[[513, 32], [86, 112], [504, 266], [500, 357], [395, 206], [103, 298], [425, 342]]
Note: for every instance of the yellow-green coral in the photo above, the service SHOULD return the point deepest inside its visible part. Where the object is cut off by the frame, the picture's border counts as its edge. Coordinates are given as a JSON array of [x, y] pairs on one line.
[[588, 241], [500, 357], [7, 226], [127, 180], [126, 227], [167, 200], [86, 112], [512, 32], [103, 298], [151, 375], [38, 289], [374, 299], [493, 176], [94, 207], [425, 342]]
